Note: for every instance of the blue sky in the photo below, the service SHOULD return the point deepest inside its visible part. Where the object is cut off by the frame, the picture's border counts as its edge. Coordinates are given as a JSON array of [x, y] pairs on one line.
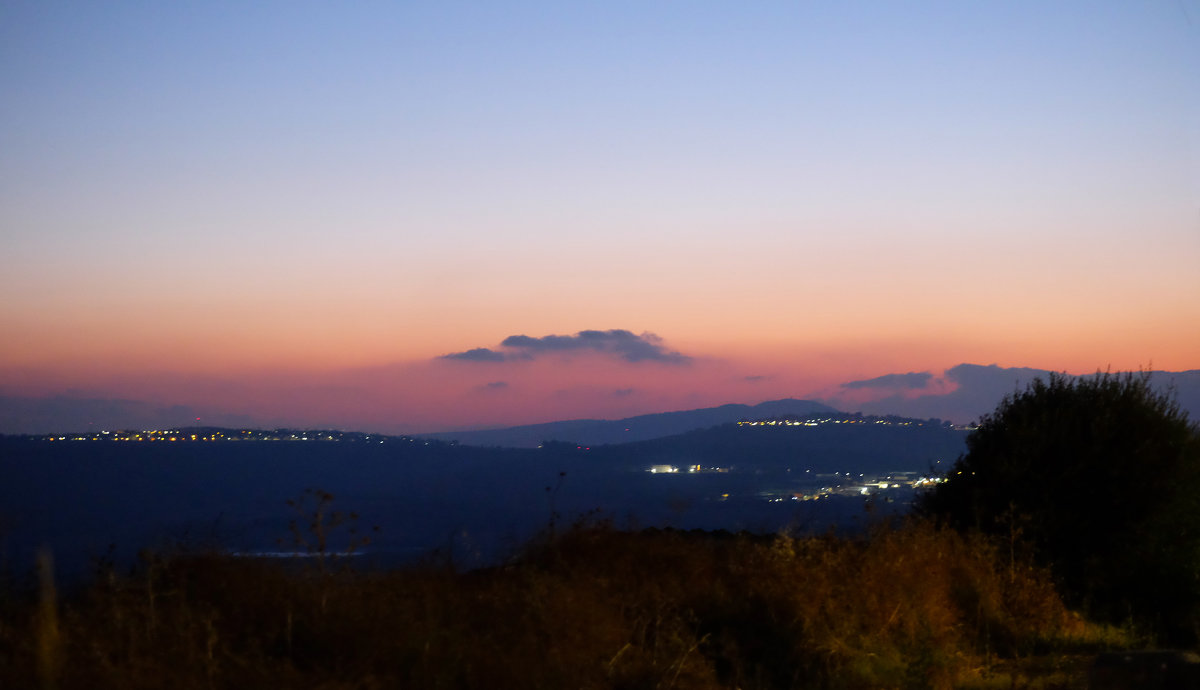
[[317, 187]]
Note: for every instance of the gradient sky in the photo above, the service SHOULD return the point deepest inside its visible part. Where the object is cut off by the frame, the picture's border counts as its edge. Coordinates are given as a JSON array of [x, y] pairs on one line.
[[292, 211]]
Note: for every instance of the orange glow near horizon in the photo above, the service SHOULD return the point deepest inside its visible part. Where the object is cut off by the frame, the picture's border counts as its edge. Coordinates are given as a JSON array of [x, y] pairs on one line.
[[300, 228], [907, 330], [431, 394]]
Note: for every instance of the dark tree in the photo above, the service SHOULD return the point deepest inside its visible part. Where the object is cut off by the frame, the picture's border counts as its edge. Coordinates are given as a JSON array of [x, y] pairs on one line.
[[1100, 476]]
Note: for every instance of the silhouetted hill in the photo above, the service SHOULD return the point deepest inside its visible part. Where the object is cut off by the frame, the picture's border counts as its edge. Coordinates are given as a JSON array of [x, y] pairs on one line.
[[865, 445], [81, 496], [595, 432]]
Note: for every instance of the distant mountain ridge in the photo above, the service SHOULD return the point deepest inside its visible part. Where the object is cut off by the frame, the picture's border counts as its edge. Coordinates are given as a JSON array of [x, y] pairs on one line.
[[595, 432]]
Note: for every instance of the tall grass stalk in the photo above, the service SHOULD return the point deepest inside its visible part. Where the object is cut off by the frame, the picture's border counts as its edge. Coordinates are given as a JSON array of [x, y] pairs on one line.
[[46, 625]]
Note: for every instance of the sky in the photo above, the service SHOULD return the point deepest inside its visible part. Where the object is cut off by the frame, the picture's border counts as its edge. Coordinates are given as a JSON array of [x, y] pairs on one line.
[[314, 213]]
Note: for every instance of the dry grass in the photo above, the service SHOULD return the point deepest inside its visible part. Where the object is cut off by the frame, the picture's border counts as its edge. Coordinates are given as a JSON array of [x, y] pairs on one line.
[[911, 607]]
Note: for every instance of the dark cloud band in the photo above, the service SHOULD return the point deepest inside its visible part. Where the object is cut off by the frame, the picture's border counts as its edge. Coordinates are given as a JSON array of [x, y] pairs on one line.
[[479, 354], [619, 343], [911, 381]]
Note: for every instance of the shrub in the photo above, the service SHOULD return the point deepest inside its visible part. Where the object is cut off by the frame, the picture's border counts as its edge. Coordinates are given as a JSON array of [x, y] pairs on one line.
[[1100, 476]]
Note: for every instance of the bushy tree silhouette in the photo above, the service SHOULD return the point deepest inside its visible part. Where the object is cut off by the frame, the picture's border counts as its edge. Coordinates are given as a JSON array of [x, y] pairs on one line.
[[1100, 476]]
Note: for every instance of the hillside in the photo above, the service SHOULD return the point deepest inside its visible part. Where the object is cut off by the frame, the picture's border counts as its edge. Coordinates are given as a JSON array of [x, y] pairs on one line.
[[595, 432], [832, 443], [81, 496]]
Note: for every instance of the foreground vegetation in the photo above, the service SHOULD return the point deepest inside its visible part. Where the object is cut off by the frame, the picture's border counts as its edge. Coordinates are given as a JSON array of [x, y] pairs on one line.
[[913, 606]]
